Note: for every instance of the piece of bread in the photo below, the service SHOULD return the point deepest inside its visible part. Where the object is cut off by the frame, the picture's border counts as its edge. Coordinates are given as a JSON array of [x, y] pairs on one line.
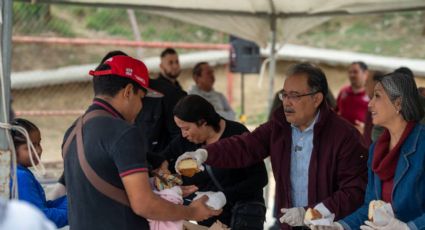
[[166, 181], [188, 167], [373, 205], [312, 214]]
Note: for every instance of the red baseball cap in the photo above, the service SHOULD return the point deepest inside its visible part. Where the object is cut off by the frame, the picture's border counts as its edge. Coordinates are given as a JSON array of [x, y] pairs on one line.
[[131, 68]]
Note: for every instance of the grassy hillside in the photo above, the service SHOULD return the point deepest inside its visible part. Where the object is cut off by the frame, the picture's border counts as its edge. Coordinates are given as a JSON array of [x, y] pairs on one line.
[[395, 34], [92, 22], [77, 21]]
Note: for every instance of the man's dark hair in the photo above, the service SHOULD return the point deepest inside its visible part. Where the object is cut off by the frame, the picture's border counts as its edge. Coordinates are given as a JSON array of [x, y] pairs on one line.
[[110, 85], [17, 137], [195, 109], [168, 51], [111, 54], [362, 65], [197, 70], [406, 71], [316, 78], [377, 76]]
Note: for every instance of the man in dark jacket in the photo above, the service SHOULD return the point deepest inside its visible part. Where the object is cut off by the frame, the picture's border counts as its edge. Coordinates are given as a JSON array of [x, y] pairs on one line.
[[317, 157], [156, 119]]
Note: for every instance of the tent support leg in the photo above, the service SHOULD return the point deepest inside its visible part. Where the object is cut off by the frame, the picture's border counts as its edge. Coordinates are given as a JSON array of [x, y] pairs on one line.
[[272, 69], [5, 60]]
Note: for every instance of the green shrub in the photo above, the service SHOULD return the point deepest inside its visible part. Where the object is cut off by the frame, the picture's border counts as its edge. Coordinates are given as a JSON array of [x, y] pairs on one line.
[[37, 19], [101, 18]]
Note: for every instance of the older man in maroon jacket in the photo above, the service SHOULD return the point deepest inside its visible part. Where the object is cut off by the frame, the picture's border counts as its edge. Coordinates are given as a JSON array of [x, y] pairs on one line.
[[317, 158]]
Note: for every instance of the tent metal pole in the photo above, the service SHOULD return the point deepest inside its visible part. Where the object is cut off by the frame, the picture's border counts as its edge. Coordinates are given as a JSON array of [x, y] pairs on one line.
[[136, 32], [272, 69], [5, 57], [242, 98]]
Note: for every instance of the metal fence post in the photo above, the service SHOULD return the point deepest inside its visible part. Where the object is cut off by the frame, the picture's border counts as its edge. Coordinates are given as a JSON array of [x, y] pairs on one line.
[[5, 57]]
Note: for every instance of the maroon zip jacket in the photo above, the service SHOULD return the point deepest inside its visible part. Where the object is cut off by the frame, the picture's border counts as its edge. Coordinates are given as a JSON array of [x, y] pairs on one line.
[[337, 171]]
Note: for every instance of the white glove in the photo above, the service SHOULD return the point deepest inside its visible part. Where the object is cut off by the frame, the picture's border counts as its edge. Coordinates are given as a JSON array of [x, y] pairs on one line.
[[216, 200], [293, 216], [200, 156], [388, 222], [333, 226], [394, 224]]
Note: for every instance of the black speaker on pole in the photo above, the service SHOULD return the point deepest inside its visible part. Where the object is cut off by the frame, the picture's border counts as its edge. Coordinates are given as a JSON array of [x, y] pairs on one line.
[[244, 56]]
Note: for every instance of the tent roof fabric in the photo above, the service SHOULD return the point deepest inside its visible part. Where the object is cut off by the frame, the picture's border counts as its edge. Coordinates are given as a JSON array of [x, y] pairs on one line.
[[282, 8]]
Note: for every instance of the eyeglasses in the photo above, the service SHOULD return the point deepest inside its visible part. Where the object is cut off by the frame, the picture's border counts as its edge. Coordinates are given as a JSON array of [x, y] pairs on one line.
[[294, 96]]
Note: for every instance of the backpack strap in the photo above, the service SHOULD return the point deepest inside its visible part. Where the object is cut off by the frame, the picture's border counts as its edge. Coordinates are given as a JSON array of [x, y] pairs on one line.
[[88, 116], [213, 178], [117, 194]]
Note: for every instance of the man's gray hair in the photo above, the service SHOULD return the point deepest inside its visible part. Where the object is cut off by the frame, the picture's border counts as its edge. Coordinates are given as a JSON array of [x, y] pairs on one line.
[[400, 86]]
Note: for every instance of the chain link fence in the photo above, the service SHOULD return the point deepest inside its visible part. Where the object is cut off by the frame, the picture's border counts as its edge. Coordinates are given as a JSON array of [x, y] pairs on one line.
[[53, 107]]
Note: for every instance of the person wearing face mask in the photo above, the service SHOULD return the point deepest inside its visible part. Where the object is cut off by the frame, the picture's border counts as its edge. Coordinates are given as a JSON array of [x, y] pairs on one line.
[[317, 157], [200, 124], [29, 188]]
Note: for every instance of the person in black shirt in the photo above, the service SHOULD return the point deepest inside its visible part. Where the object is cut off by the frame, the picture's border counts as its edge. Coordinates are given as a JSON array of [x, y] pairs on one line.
[[200, 124], [156, 119], [112, 149]]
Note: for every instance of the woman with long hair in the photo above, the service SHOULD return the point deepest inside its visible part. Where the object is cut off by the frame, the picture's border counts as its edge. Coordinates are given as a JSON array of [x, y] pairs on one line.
[[200, 124], [396, 160]]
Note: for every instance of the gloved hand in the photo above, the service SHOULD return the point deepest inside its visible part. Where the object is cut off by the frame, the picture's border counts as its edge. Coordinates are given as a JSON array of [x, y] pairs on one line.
[[200, 156], [293, 216], [387, 222], [334, 226], [394, 224], [216, 200]]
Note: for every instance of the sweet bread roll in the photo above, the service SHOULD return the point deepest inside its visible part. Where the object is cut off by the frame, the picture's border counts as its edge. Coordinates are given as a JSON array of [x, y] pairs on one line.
[[188, 167], [373, 205], [312, 214]]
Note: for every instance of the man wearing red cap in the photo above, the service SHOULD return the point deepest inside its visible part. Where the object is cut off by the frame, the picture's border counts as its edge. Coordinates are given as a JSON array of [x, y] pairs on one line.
[[105, 163]]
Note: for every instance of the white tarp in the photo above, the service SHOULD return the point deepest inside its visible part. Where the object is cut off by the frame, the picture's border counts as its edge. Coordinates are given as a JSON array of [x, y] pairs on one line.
[[31, 79]]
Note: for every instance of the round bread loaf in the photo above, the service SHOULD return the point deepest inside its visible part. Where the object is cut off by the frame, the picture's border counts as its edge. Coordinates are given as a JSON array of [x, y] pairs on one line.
[[188, 167]]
